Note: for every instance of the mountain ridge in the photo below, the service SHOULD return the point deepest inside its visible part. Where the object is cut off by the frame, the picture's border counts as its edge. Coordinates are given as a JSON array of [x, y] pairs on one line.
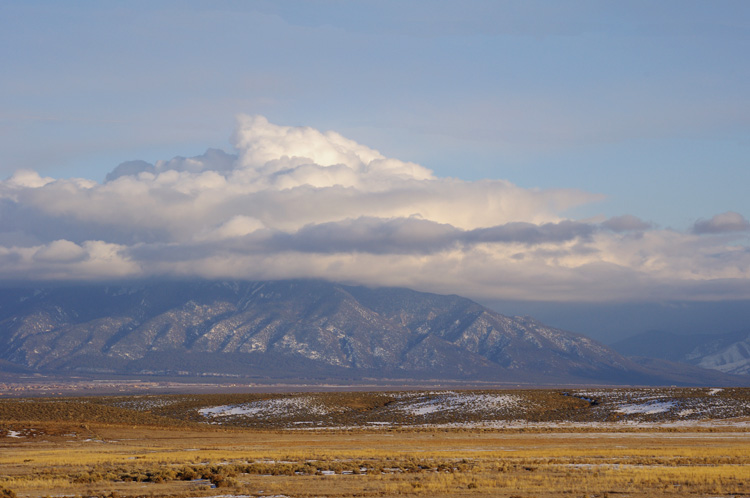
[[302, 328], [727, 353]]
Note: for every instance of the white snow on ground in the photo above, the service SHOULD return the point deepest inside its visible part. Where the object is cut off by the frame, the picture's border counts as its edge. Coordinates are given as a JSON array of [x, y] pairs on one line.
[[231, 496], [647, 408], [635, 407], [451, 401], [681, 404], [236, 496], [267, 408], [739, 428], [14, 434], [623, 394]]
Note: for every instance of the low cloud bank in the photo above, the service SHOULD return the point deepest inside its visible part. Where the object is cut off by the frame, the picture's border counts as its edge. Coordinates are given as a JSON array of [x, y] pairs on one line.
[[295, 202]]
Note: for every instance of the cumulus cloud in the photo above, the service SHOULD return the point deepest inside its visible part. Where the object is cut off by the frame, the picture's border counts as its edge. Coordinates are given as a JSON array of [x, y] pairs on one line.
[[27, 178], [63, 251], [722, 223], [293, 202]]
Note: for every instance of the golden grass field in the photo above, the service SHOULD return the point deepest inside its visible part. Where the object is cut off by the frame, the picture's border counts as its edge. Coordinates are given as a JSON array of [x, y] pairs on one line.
[[147, 455]]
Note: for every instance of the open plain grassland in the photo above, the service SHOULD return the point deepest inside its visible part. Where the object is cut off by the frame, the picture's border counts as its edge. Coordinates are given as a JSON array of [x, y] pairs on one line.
[[566, 446]]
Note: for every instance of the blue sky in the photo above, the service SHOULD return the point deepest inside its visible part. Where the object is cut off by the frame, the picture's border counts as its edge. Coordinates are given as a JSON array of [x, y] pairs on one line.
[[638, 109], [644, 102]]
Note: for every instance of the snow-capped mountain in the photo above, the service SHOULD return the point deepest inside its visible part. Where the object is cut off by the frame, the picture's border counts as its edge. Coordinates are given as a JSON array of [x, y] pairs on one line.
[[728, 353], [296, 329]]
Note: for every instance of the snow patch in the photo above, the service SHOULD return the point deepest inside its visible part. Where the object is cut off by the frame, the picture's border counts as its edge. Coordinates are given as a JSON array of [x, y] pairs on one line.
[[267, 408], [647, 408], [450, 401]]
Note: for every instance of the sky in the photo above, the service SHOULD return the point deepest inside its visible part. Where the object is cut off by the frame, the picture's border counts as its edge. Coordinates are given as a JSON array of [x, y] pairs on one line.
[[566, 159]]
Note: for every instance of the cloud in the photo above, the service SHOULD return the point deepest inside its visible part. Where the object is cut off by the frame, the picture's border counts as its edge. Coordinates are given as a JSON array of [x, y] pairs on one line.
[[295, 202], [417, 236], [722, 223], [130, 168], [394, 236], [626, 223], [529, 233], [65, 260], [26, 178], [60, 251]]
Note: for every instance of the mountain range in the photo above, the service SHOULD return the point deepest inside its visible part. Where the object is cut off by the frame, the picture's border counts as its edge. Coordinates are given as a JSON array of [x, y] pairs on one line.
[[303, 330], [728, 353]]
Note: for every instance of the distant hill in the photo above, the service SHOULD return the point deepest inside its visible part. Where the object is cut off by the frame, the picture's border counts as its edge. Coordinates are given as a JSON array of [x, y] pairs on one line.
[[304, 330], [727, 353]]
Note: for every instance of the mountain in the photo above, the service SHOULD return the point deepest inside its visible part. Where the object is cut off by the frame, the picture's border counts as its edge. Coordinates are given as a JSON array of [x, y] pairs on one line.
[[728, 353], [298, 330]]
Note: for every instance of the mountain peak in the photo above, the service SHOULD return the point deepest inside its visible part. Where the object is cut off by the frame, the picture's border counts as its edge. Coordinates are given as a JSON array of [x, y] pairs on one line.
[[337, 331]]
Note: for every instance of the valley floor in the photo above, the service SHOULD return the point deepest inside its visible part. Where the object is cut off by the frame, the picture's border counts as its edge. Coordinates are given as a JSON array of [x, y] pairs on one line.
[[189, 446]]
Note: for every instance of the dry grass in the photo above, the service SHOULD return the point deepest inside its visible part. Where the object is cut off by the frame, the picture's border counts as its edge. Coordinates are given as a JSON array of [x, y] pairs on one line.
[[100, 459], [397, 409], [116, 447]]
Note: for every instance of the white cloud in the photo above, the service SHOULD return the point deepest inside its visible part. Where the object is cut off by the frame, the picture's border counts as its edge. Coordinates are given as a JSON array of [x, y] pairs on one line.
[[60, 251], [66, 260], [296, 202], [26, 178], [237, 226]]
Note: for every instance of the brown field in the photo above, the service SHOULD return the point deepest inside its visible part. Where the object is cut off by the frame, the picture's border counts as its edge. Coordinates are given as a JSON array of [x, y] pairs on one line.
[[68, 448]]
